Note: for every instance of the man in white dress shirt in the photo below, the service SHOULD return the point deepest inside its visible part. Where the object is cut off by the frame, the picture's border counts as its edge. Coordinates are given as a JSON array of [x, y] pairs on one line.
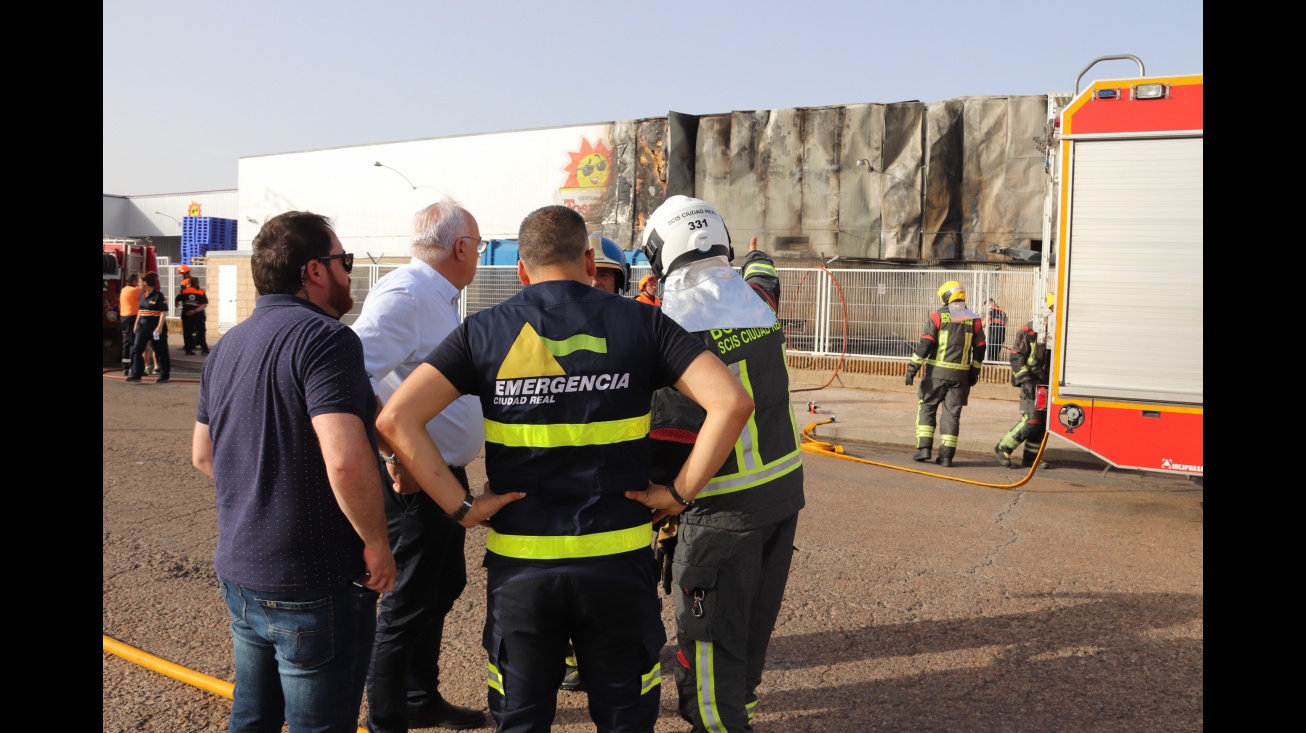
[[406, 314]]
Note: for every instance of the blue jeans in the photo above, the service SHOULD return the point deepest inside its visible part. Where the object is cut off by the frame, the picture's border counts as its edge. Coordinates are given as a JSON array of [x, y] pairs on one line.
[[300, 657]]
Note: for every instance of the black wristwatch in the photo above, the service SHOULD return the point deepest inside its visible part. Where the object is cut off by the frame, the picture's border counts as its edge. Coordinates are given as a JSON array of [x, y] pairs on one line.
[[671, 489], [461, 512]]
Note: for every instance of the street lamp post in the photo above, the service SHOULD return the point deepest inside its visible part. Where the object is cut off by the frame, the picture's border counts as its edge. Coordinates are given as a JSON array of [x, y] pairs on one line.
[[379, 164], [160, 213]]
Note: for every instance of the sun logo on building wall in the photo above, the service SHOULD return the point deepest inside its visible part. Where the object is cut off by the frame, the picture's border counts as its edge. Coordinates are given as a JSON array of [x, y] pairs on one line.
[[194, 209], [589, 167]]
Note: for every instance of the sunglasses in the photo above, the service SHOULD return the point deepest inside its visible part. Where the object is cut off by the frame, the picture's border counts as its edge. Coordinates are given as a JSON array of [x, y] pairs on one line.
[[346, 259], [588, 169]]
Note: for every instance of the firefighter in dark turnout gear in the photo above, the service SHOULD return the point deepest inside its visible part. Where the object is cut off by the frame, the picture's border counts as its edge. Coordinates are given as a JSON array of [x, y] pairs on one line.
[[1029, 371], [734, 546], [565, 374], [952, 351], [193, 302]]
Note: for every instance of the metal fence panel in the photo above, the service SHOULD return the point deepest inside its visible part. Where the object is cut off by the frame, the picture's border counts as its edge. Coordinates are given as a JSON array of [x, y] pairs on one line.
[[850, 312]]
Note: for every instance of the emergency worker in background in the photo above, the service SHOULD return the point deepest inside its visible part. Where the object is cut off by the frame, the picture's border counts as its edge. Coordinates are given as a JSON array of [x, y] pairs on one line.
[[648, 290], [612, 272], [192, 301], [997, 336], [952, 350], [735, 543], [129, 304], [151, 331], [565, 374], [1029, 371]]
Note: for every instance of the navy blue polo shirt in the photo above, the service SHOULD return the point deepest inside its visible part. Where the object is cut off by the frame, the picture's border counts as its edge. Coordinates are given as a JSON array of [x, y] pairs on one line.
[[279, 525]]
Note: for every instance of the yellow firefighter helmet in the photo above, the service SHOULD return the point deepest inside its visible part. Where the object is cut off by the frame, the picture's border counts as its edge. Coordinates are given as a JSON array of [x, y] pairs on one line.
[[951, 291], [1051, 300]]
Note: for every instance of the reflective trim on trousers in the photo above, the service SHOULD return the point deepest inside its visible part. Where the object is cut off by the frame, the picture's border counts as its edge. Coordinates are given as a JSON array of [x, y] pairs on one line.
[[495, 679], [651, 679], [704, 675]]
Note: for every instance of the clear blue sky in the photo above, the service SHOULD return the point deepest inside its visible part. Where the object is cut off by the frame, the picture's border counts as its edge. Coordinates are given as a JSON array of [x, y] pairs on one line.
[[189, 88]]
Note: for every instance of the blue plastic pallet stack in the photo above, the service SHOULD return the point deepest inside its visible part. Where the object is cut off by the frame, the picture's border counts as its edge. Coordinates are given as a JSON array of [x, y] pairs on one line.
[[202, 234]]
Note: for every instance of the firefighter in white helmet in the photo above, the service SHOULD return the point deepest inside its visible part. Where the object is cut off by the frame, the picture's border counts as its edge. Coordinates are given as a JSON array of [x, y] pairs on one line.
[[736, 538], [952, 351]]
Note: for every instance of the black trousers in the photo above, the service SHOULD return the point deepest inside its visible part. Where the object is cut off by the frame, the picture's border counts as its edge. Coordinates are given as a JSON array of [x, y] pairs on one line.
[[145, 340], [193, 332], [430, 574], [608, 607], [128, 342]]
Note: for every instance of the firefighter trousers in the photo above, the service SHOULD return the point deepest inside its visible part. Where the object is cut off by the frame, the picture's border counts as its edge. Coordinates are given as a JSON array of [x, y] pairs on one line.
[[728, 589], [609, 608], [952, 396], [1031, 426]]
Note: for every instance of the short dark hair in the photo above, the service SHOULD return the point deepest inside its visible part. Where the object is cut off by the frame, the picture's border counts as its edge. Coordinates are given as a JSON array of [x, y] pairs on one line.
[[152, 279], [284, 244], [552, 235], [133, 278]]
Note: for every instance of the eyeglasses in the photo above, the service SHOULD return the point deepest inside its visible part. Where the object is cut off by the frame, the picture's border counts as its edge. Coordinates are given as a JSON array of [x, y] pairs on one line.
[[346, 259], [585, 170], [481, 245]]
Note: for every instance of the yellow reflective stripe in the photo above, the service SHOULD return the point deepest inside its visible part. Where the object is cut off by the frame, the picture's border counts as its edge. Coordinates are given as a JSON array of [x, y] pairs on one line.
[[578, 342], [495, 680], [651, 679], [942, 351], [751, 708], [561, 547], [748, 479], [746, 456], [704, 670], [759, 266], [567, 434]]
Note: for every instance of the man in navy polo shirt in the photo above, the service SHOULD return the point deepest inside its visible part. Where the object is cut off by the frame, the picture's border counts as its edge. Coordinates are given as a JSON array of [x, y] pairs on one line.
[[284, 428]]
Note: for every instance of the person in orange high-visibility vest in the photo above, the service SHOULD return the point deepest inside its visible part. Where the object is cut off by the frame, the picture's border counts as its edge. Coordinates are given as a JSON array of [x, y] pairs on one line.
[[648, 291]]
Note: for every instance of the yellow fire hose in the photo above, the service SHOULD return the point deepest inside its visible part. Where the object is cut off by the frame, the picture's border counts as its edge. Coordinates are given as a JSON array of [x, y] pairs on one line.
[[175, 671], [822, 448]]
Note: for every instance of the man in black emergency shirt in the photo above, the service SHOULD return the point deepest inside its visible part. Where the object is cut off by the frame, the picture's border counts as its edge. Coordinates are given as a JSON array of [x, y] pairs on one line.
[[565, 374]]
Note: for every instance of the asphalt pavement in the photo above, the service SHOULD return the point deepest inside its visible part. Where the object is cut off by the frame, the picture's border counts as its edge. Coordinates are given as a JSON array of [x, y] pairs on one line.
[[878, 410]]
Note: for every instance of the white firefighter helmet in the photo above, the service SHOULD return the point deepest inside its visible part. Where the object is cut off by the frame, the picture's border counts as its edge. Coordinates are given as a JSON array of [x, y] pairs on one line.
[[684, 230]]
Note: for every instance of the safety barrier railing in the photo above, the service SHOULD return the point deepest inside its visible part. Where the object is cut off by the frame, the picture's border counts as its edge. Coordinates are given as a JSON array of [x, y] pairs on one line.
[[884, 309], [877, 313]]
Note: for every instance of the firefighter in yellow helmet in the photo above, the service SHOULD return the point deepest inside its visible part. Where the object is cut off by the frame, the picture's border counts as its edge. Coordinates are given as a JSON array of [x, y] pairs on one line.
[[1029, 371], [952, 352]]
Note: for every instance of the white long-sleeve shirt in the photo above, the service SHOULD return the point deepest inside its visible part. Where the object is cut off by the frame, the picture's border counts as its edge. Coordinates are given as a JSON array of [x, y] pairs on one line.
[[406, 315]]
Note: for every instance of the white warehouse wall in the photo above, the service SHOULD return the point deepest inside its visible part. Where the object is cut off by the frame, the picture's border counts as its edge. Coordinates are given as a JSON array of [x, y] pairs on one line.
[[499, 177]]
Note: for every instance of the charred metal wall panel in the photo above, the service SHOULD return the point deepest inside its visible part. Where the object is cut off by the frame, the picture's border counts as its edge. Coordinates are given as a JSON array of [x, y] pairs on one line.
[[902, 164], [821, 137], [682, 130], [650, 169], [782, 174], [859, 188], [941, 181], [942, 221], [620, 228], [746, 208], [712, 165], [1002, 178]]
